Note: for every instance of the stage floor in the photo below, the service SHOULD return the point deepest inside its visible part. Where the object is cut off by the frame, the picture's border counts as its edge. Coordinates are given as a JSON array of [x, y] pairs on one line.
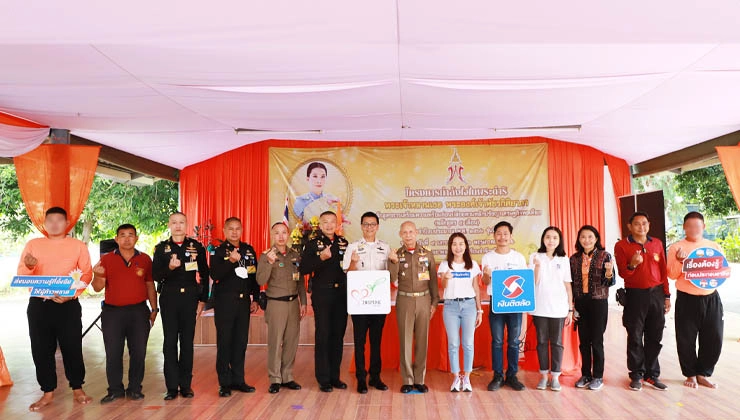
[[614, 401]]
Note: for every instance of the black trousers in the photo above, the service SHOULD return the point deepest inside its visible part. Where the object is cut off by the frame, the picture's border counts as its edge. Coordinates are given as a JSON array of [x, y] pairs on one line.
[[700, 316], [362, 325], [549, 342], [51, 324], [330, 317], [644, 320], [231, 315], [178, 323], [130, 325], [593, 314]]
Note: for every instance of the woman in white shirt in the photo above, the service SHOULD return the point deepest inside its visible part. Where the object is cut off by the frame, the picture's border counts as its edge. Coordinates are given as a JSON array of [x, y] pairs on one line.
[[462, 307], [553, 307]]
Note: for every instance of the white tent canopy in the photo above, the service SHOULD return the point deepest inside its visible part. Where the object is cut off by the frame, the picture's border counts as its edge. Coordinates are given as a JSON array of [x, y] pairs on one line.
[[171, 81]]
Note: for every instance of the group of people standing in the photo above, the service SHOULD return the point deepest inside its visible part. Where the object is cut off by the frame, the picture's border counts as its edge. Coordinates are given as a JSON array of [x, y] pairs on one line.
[[567, 290]]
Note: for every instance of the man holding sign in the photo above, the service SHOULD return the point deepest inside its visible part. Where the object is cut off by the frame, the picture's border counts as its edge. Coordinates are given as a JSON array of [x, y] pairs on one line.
[[56, 320], [368, 253], [698, 310]]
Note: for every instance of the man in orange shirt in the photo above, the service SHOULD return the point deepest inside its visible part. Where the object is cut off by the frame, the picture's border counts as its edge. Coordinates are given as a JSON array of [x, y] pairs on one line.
[[56, 320], [698, 311], [126, 275]]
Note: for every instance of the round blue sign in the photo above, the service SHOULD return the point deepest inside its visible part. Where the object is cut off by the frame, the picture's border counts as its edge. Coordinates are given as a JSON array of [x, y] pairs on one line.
[[706, 268]]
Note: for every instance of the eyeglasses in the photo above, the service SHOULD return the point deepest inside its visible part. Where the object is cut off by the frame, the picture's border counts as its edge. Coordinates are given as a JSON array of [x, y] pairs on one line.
[[369, 224]]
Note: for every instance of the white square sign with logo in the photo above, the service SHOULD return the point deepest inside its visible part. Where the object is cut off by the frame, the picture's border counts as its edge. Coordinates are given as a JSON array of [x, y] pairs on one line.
[[368, 292]]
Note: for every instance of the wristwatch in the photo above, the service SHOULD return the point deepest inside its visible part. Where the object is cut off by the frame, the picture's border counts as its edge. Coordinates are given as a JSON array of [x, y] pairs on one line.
[[155, 310]]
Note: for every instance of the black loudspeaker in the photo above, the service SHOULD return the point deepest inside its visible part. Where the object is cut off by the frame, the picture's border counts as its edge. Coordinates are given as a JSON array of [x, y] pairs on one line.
[[107, 245], [650, 203]]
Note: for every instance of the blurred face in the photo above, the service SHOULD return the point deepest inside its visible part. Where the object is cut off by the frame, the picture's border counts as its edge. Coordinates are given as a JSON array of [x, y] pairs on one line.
[[233, 231], [55, 224], [694, 228], [458, 247], [280, 235], [502, 235], [369, 227], [639, 226], [587, 239], [177, 225], [316, 180], [551, 240], [328, 224], [408, 234], [126, 239]]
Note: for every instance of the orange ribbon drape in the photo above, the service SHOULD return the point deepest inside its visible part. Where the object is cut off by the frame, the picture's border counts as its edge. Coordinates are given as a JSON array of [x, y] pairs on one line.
[[729, 156], [56, 175], [236, 184]]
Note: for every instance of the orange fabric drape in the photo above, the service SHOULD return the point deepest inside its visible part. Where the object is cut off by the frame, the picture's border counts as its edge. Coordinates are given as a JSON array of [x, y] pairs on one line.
[[621, 179], [56, 175], [236, 184], [729, 156], [8, 119]]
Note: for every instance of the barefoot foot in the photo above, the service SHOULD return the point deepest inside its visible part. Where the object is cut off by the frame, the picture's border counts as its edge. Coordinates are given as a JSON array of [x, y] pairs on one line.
[[704, 381], [690, 382], [80, 396], [45, 400]]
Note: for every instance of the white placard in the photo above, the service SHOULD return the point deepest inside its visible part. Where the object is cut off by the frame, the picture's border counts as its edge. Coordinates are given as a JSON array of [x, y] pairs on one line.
[[368, 292]]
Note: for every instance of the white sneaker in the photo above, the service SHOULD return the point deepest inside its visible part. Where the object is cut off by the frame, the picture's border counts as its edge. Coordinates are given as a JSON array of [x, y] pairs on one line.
[[456, 384], [466, 387], [542, 384], [555, 384]]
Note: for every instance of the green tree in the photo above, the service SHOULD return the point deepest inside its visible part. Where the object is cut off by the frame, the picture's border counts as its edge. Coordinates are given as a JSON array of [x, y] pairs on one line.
[[707, 187], [109, 205]]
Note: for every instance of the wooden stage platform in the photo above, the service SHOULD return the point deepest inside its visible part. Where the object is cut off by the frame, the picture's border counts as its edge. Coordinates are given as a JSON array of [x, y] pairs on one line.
[[614, 401]]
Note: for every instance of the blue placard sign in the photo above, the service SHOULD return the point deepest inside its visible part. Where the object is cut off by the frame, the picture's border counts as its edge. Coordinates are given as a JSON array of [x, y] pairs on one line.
[[513, 291]]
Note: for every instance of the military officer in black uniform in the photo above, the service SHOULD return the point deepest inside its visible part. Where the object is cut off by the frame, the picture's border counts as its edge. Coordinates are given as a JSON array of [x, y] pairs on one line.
[[234, 270], [182, 297], [322, 257]]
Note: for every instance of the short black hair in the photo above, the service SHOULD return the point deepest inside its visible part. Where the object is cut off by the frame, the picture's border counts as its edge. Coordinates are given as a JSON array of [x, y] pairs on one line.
[[693, 215], [278, 223], [314, 165], [126, 226], [178, 212], [232, 219], [326, 213], [369, 214], [560, 249], [593, 230], [502, 224], [637, 214], [56, 210]]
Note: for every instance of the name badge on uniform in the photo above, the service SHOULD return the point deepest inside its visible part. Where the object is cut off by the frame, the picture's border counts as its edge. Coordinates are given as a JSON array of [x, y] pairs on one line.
[[251, 269], [191, 266], [424, 276], [296, 276], [241, 272]]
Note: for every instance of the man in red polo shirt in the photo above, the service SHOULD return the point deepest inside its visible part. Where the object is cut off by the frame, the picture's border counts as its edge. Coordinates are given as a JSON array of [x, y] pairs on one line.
[[642, 264], [126, 275]]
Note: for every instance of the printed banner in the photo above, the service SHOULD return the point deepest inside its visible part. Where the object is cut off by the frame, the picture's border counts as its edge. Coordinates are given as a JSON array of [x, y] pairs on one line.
[[706, 268], [368, 292], [443, 189], [513, 291], [46, 286]]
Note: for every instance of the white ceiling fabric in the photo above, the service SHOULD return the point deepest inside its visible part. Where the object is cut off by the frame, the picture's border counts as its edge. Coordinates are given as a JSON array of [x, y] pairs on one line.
[[170, 81]]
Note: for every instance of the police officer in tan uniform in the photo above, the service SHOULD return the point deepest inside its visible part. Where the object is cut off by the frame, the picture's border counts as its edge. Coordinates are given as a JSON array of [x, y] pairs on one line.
[[278, 268], [369, 253], [415, 274]]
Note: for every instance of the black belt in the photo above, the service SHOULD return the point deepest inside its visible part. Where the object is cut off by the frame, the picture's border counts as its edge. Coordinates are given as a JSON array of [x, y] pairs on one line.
[[328, 285], [461, 299], [284, 298], [108, 305]]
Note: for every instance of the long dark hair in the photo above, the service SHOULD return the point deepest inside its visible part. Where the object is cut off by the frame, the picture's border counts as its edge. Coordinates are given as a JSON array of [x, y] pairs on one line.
[[466, 255], [593, 230], [560, 249]]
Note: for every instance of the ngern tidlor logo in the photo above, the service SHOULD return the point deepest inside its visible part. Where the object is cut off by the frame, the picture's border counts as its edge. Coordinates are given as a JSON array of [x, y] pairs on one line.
[[513, 287]]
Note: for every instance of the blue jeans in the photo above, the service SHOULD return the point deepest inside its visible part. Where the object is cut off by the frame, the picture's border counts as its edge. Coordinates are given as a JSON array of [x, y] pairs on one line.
[[458, 314], [513, 323]]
